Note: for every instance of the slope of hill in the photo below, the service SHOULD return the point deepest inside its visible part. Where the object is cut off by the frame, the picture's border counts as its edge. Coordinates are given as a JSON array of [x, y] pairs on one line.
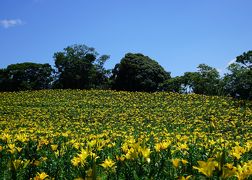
[[67, 134]]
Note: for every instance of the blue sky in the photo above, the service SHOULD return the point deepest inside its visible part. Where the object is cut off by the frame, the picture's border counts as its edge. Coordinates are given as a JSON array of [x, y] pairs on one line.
[[179, 34]]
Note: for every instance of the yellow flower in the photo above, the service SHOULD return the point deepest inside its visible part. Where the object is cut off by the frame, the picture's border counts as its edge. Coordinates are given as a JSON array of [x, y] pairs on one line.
[[237, 151], [162, 145], [248, 146], [108, 163], [122, 158], [229, 165], [146, 152], [165, 144], [93, 155], [83, 155], [6, 137], [185, 178], [157, 147], [76, 145], [75, 161], [112, 145], [57, 153], [243, 171], [44, 158], [1, 148], [92, 143], [206, 168], [54, 147], [211, 142], [175, 162], [227, 172], [19, 149], [183, 147], [42, 142], [125, 148], [36, 163], [81, 158], [41, 176], [17, 163], [21, 137], [12, 148], [89, 172], [65, 134], [184, 161], [131, 154]]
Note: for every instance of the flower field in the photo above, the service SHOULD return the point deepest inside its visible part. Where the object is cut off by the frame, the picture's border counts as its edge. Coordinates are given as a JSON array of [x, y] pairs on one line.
[[79, 134]]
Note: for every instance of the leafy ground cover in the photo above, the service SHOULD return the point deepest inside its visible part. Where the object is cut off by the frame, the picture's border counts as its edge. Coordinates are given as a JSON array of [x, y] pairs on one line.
[[75, 134]]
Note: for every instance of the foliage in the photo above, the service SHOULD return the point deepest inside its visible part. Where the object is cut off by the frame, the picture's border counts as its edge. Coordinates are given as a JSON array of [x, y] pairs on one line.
[[71, 134], [25, 76], [172, 85], [137, 72], [4, 80], [79, 67], [245, 59], [238, 82], [205, 81]]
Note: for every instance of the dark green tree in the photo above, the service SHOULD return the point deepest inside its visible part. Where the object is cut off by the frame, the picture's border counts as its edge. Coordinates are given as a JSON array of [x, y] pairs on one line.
[[205, 81], [172, 85], [238, 82], [137, 72], [79, 67], [245, 59], [26, 76], [208, 81], [4, 80]]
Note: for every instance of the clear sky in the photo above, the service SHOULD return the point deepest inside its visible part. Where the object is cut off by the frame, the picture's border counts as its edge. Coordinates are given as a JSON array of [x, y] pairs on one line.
[[179, 34]]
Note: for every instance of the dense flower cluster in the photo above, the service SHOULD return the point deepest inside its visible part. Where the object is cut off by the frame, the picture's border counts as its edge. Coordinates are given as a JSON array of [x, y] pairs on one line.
[[78, 134]]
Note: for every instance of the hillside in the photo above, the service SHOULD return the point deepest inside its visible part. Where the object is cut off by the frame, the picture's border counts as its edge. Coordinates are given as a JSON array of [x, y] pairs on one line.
[[68, 134]]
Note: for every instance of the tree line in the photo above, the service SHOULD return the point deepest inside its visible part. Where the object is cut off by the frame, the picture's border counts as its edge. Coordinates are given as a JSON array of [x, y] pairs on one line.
[[81, 67]]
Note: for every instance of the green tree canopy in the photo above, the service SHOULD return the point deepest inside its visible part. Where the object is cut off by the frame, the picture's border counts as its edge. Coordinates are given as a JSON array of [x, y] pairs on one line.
[[238, 82], [25, 76], [137, 72], [172, 85], [245, 59], [205, 81], [79, 67]]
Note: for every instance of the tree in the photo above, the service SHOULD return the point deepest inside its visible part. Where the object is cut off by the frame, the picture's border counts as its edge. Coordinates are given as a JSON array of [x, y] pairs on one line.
[[4, 81], [245, 59], [137, 72], [189, 81], [101, 79], [25, 76], [208, 80], [238, 82], [79, 67], [205, 81], [172, 85]]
